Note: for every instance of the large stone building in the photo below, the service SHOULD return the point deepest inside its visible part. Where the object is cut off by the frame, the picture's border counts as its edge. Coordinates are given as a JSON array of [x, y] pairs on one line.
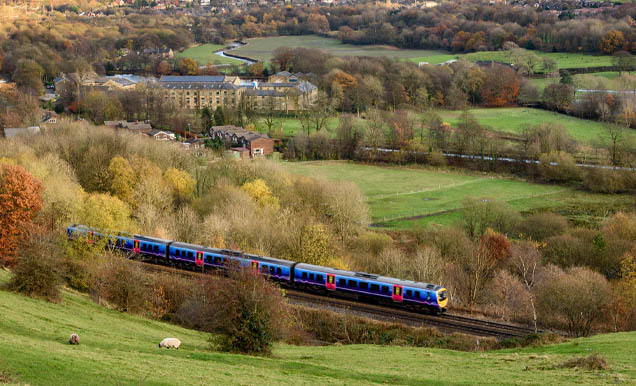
[[195, 92]]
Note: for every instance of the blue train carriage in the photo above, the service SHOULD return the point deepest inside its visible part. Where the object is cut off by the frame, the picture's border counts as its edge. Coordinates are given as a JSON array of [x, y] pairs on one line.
[[275, 269], [379, 288], [76, 231], [151, 247], [192, 255]]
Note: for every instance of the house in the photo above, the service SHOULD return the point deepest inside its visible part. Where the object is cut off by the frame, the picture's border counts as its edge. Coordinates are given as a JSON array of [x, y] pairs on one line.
[[18, 131], [50, 117], [160, 135], [133, 127], [255, 144]]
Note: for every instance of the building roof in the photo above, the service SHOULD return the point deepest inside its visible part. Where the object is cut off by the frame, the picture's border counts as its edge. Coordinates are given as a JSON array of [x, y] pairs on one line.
[[198, 86], [193, 79], [286, 84], [264, 93], [306, 87], [12, 132], [154, 132], [283, 73]]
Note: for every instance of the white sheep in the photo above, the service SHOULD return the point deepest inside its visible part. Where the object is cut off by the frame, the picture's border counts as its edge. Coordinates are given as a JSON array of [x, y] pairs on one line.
[[73, 339], [170, 343]]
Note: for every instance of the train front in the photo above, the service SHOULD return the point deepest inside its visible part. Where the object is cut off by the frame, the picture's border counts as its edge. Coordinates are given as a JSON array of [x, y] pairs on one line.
[[442, 299]]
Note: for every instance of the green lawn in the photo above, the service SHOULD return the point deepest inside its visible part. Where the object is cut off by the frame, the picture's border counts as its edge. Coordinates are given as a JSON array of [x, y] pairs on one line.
[[121, 349], [291, 126], [609, 80], [394, 194], [204, 54], [513, 119], [262, 48], [564, 60]]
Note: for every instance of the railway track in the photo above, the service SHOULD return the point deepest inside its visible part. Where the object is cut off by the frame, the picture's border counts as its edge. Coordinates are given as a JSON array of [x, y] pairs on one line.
[[447, 323]]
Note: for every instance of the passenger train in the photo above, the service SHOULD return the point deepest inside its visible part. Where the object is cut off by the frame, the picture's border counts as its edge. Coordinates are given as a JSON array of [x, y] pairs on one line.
[[314, 278]]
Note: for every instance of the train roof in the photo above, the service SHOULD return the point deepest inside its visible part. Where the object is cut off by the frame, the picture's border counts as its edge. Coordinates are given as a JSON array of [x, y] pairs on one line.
[[227, 252], [267, 259], [370, 276], [148, 238]]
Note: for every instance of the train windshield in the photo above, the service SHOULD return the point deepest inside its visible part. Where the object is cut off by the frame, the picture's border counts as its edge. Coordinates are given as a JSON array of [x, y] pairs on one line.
[[442, 295]]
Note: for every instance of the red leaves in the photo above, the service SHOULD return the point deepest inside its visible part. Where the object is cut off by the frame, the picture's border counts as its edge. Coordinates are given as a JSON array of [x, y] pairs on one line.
[[20, 200]]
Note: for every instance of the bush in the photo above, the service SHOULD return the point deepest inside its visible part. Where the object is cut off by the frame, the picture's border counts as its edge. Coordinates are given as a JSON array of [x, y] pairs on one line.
[[540, 226], [437, 158], [122, 282], [604, 181], [558, 166], [247, 311], [38, 272]]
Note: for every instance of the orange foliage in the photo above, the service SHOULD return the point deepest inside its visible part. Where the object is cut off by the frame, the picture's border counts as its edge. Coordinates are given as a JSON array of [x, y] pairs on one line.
[[21, 198], [501, 86], [496, 245]]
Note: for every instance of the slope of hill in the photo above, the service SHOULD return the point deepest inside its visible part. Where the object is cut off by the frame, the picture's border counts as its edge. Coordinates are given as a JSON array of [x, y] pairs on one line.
[[118, 348]]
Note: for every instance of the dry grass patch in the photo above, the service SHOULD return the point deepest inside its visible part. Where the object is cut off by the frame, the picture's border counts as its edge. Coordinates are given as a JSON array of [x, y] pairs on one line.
[[591, 362]]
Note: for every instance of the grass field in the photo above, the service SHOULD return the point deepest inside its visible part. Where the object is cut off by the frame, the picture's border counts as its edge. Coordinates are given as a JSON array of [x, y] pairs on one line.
[[291, 126], [512, 120], [119, 349], [563, 60], [396, 194], [204, 54], [606, 80], [262, 48]]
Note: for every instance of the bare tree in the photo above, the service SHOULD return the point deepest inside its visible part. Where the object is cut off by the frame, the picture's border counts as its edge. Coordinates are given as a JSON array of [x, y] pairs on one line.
[[525, 259]]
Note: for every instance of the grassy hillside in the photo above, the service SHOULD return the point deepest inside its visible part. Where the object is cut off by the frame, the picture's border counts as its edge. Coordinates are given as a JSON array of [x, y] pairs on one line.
[[204, 54], [121, 349], [262, 48], [513, 119], [396, 193]]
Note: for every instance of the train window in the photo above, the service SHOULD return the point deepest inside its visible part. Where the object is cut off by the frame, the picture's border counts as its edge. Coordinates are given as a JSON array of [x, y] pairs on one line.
[[428, 296], [364, 285], [304, 275], [416, 294], [272, 270], [190, 255], [208, 259], [217, 260], [279, 271], [352, 284], [177, 252], [342, 282], [319, 278], [375, 287], [155, 249], [311, 276], [385, 289], [264, 269], [409, 293]]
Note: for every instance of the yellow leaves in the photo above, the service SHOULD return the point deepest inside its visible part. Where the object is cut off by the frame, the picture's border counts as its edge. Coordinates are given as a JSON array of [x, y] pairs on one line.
[[106, 212], [123, 178], [180, 181], [260, 192], [7, 161], [315, 245]]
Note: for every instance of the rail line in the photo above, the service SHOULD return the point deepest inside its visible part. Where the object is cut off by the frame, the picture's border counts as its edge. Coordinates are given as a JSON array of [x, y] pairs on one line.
[[447, 323]]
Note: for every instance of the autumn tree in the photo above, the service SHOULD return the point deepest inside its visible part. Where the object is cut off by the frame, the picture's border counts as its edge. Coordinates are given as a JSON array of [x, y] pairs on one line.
[[181, 183], [103, 211], [21, 198], [188, 66], [261, 193], [123, 178], [500, 87], [28, 77], [611, 42], [575, 300]]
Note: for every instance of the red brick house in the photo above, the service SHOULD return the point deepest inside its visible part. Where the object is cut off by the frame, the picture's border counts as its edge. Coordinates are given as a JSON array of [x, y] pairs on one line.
[[255, 143]]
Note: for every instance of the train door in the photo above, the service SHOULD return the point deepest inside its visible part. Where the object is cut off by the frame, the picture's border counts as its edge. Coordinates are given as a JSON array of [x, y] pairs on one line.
[[91, 237], [136, 248], [198, 259], [331, 282], [255, 265], [397, 293]]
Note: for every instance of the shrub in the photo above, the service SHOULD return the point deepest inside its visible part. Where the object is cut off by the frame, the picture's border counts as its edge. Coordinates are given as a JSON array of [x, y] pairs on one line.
[[38, 270], [437, 158], [122, 282], [558, 166], [604, 181], [169, 293], [481, 214], [540, 226], [247, 311]]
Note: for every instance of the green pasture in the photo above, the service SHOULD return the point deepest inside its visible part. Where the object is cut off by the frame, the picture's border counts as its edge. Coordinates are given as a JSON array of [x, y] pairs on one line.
[[513, 119], [396, 195], [609, 80], [563, 59], [204, 54], [120, 349], [291, 126], [263, 48]]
